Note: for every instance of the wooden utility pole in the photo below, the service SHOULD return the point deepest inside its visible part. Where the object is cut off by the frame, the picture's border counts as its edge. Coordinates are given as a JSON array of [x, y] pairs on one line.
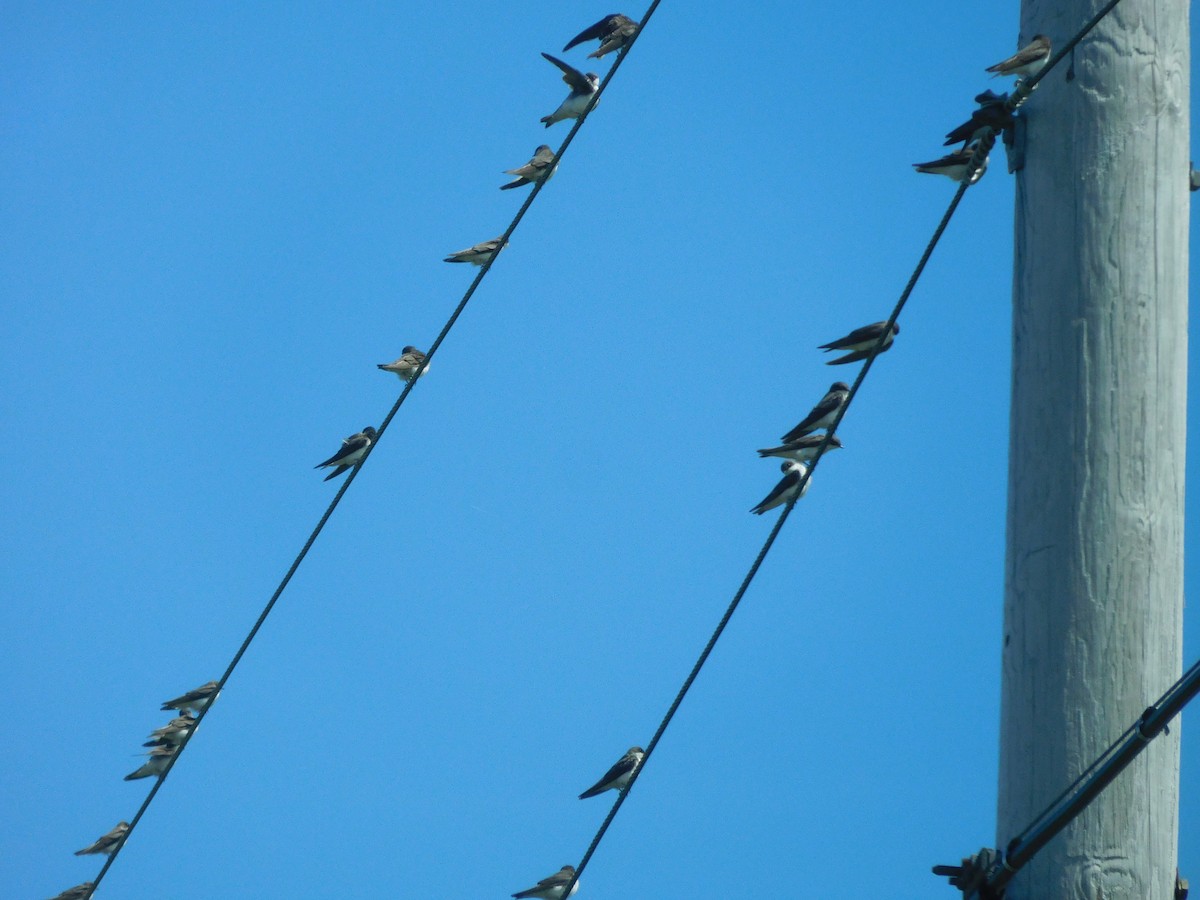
[[1094, 573]]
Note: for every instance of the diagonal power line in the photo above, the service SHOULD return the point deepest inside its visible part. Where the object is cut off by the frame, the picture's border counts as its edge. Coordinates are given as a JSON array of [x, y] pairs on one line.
[[345, 486], [986, 141], [762, 554]]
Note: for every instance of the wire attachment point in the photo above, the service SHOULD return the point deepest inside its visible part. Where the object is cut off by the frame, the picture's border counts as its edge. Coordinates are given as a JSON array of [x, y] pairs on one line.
[[972, 876]]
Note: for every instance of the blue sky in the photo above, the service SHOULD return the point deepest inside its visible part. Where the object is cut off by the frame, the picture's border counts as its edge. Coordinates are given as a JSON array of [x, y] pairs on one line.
[[217, 221]]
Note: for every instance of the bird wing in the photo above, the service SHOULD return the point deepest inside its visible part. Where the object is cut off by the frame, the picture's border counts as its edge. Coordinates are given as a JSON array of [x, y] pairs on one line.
[[350, 445], [1027, 54], [599, 31], [556, 880], [571, 75], [621, 767], [858, 335], [786, 483]]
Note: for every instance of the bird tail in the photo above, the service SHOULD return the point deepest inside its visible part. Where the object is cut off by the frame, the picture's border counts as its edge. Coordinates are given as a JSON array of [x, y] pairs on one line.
[[336, 472]]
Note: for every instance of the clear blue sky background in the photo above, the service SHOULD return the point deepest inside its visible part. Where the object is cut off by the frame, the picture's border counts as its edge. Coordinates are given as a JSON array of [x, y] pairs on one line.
[[217, 219]]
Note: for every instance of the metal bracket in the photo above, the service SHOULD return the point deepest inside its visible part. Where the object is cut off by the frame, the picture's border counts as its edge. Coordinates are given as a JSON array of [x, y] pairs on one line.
[[972, 876]]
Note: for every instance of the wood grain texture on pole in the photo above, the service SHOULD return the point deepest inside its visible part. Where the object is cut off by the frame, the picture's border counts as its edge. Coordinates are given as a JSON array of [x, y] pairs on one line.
[[1094, 570]]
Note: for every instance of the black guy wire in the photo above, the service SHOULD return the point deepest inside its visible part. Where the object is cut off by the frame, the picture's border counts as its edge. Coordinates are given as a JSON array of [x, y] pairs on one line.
[[1103, 758], [1149, 725], [483, 270], [1096, 763], [762, 554]]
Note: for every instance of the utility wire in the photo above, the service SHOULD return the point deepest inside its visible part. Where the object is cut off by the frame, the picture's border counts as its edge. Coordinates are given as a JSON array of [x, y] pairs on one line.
[[980, 153], [458, 310], [1112, 762], [1020, 94]]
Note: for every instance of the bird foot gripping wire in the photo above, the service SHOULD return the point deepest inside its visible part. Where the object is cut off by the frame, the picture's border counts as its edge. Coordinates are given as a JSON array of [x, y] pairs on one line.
[[972, 876]]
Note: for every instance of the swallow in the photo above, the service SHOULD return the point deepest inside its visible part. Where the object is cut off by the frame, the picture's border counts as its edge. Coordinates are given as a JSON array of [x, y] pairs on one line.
[[108, 843], [354, 448], [990, 117], [802, 449], [79, 892], [477, 255], [613, 32], [787, 489], [405, 367], [823, 413], [956, 166], [171, 734], [582, 87], [551, 888], [860, 342], [616, 778], [540, 168], [1029, 60], [194, 700], [155, 765]]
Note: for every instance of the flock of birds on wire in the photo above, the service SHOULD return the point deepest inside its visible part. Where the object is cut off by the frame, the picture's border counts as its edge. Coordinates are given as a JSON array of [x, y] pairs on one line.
[[799, 446]]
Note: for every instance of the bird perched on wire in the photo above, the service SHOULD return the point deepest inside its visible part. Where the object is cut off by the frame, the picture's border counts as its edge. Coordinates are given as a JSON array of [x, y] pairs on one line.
[[108, 843], [613, 32], [619, 775], [405, 366], [195, 700], [1029, 60], [861, 341], [540, 168], [993, 115], [803, 448], [787, 489], [956, 165], [477, 255], [79, 892], [155, 765], [354, 448], [551, 888], [823, 414], [171, 734], [582, 87]]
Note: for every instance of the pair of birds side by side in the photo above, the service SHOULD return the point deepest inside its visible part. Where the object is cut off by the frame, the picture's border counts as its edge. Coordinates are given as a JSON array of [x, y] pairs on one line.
[[408, 365], [802, 444], [993, 115], [614, 32], [617, 778]]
